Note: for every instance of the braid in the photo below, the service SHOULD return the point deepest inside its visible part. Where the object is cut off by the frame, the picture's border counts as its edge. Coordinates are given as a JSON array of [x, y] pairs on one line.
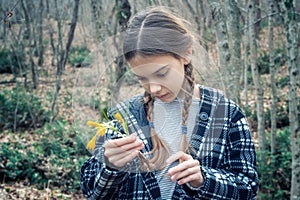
[[148, 102], [188, 98], [160, 151]]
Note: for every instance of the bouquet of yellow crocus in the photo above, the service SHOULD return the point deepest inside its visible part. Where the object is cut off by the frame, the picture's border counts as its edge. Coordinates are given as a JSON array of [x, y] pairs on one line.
[[101, 130]]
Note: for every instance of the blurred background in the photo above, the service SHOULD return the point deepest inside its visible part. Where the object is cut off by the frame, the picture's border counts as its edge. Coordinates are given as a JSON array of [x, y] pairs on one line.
[[59, 60]]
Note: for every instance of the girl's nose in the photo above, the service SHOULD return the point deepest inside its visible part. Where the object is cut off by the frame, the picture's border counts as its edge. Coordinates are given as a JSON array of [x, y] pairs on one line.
[[154, 87]]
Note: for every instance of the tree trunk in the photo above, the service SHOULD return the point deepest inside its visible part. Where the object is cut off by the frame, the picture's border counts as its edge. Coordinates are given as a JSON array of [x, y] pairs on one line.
[[222, 43], [102, 32], [27, 21], [202, 15], [51, 35], [292, 37], [232, 19], [194, 13], [256, 77], [59, 47], [96, 17], [70, 34], [123, 15], [63, 58], [33, 70], [29, 34], [257, 6], [2, 28], [273, 109], [272, 77], [246, 60], [40, 34]]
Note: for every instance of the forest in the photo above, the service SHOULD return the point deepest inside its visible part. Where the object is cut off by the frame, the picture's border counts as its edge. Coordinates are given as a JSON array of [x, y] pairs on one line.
[[60, 65]]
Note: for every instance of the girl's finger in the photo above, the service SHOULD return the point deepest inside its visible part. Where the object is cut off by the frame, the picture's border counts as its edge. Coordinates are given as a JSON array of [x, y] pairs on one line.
[[195, 178], [112, 149], [122, 159], [183, 166], [185, 173], [121, 141], [178, 156]]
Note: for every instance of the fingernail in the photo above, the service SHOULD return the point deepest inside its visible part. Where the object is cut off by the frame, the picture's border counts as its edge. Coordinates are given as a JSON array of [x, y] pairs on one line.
[[173, 178]]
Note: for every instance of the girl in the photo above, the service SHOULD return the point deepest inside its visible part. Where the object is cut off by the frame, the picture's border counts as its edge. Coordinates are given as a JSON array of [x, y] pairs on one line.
[[195, 143]]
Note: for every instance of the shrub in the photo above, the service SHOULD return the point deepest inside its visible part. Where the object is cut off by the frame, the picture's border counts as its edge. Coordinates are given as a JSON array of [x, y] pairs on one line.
[[55, 158], [284, 81], [263, 60], [11, 61], [18, 163], [79, 56], [275, 170], [21, 110]]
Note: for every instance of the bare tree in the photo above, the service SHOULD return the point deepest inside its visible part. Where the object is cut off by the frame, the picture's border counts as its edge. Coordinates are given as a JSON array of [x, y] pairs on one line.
[[257, 5], [40, 34], [51, 34], [234, 36], [256, 76], [246, 59], [2, 27], [272, 77], [63, 58], [27, 31], [102, 19], [30, 35], [292, 36], [194, 14], [200, 7], [272, 68], [123, 9], [224, 55]]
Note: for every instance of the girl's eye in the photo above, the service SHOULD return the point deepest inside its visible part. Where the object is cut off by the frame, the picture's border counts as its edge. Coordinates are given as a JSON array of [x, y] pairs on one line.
[[162, 75], [143, 79]]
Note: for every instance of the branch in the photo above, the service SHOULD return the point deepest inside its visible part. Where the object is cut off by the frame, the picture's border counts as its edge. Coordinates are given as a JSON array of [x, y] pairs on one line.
[[13, 80], [257, 21]]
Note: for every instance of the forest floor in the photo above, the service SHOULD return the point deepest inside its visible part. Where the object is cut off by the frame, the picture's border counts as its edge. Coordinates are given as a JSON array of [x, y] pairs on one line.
[[22, 189]]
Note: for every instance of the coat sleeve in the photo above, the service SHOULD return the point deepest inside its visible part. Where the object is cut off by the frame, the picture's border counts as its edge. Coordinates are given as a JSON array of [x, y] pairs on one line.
[[236, 177], [97, 180]]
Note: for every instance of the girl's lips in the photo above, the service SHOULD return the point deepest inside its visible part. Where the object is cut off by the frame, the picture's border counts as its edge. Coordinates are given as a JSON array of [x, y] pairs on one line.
[[162, 96]]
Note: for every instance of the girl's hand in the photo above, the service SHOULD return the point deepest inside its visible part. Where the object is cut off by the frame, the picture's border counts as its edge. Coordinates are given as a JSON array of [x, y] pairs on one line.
[[120, 151], [187, 171]]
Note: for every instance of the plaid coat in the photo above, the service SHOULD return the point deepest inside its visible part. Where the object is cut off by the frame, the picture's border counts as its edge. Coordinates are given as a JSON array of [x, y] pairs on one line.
[[222, 143]]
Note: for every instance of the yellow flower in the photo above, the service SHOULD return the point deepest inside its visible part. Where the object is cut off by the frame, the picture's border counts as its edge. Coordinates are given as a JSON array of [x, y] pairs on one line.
[[124, 124], [90, 123], [92, 143], [119, 117], [102, 129], [100, 132], [110, 125]]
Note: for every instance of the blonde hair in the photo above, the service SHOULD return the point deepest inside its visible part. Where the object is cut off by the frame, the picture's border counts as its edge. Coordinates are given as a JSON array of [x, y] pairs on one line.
[[158, 31]]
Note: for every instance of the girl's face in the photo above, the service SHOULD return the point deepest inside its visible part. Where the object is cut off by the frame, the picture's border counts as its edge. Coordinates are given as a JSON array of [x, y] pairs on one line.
[[162, 76]]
